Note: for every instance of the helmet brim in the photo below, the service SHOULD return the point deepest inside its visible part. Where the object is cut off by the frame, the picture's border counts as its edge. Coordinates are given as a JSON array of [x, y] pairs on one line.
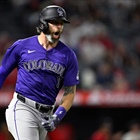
[[65, 20]]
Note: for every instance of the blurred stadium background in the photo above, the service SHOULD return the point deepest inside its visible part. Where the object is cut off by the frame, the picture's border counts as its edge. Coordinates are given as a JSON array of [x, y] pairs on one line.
[[105, 34]]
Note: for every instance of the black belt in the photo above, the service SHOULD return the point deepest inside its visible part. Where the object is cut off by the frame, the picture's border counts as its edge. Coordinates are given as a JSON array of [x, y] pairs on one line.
[[38, 106]]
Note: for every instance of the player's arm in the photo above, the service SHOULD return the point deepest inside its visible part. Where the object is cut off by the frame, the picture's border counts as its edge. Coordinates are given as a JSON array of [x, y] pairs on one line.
[[9, 62], [3, 75], [65, 105], [68, 97]]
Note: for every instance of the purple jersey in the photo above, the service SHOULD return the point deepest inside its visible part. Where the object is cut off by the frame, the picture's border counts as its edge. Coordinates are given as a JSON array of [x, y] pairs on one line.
[[41, 73]]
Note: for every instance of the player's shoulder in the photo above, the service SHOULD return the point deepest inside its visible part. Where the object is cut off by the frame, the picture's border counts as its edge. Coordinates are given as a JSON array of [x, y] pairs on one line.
[[24, 41], [30, 39], [21, 43]]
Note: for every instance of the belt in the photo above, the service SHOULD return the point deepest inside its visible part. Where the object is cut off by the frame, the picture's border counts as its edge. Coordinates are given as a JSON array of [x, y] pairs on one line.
[[40, 107]]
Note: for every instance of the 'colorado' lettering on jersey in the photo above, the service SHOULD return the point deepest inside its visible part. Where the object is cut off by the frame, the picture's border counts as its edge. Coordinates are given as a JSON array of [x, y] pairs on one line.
[[41, 73], [44, 65]]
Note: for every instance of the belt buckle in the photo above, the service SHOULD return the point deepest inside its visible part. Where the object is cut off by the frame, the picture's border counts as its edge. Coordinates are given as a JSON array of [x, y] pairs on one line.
[[43, 108]]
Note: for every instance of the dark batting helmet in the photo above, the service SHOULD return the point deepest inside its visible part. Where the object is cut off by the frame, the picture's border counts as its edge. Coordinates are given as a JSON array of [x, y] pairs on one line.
[[52, 12]]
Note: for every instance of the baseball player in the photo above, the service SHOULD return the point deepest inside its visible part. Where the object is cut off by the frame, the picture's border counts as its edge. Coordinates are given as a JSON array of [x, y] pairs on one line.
[[44, 64]]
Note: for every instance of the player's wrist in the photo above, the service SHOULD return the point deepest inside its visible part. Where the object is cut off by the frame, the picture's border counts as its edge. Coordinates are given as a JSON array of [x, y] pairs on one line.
[[59, 114]]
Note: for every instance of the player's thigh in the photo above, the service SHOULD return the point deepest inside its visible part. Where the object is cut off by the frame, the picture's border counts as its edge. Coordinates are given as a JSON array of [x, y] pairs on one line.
[[27, 131], [22, 124], [42, 134]]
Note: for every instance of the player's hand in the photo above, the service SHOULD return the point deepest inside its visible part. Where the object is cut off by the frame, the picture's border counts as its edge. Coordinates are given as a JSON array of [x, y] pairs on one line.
[[50, 123]]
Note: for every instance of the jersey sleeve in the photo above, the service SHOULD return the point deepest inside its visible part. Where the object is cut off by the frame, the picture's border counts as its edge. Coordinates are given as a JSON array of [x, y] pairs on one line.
[[72, 72], [11, 57], [9, 62]]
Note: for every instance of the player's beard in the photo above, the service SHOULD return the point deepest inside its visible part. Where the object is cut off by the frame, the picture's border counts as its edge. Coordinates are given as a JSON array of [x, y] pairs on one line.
[[53, 37]]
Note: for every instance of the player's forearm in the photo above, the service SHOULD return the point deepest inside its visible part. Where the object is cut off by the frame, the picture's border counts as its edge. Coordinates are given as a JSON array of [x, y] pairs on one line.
[[68, 97], [61, 111]]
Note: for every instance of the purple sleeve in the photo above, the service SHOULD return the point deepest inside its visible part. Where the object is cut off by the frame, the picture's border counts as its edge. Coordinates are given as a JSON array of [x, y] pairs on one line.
[[11, 57], [9, 62], [72, 72], [3, 75]]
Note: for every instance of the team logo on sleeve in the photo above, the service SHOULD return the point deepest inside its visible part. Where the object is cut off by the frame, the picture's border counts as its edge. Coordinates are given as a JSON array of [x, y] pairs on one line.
[[77, 76]]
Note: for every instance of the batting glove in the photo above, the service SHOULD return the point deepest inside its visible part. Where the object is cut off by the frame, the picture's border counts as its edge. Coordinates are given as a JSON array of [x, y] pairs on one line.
[[50, 123]]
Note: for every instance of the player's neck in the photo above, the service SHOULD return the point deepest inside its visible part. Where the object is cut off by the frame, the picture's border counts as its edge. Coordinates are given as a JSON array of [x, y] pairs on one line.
[[45, 43]]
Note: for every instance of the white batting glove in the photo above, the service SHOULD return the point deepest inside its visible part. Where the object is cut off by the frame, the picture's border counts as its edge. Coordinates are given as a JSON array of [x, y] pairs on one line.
[[51, 123]]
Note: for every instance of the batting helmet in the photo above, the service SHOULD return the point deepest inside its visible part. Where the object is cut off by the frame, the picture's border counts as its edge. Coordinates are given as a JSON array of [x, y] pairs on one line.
[[52, 12]]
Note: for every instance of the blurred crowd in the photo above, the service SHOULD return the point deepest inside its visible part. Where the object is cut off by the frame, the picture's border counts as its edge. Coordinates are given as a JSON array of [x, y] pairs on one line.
[[104, 130], [103, 33]]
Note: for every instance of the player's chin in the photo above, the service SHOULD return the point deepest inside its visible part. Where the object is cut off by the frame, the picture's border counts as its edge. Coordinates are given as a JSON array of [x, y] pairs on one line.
[[55, 39]]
